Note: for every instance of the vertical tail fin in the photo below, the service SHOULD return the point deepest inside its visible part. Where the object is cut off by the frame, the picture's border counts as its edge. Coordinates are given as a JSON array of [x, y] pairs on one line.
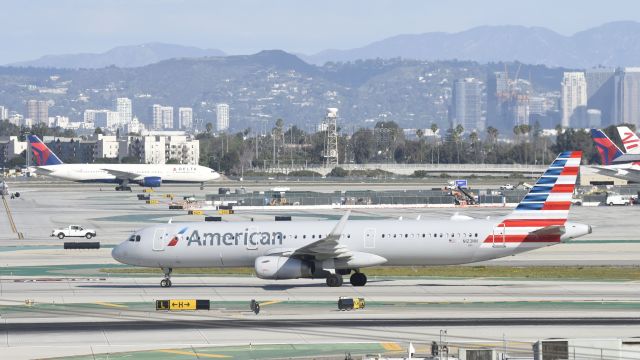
[[630, 140], [541, 217], [42, 154], [550, 197], [606, 148]]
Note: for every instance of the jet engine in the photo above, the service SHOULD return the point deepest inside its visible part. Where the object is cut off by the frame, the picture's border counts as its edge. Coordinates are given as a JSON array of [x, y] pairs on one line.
[[151, 181], [282, 267]]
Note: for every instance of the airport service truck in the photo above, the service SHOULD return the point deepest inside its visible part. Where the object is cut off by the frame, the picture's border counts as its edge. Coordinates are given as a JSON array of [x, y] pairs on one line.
[[73, 231]]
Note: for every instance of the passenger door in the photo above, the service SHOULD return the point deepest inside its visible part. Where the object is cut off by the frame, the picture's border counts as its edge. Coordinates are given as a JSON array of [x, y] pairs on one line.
[[499, 236], [159, 239]]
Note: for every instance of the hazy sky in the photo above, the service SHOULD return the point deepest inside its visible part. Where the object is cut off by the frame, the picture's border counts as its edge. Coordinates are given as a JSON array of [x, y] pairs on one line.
[[32, 28]]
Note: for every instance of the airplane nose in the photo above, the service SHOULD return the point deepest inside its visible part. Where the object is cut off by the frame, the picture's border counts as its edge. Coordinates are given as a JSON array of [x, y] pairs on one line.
[[118, 253]]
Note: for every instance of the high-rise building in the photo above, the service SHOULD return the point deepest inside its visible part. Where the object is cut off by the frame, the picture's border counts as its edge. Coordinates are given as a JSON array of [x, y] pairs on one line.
[[499, 104], [106, 119], [38, 111], [167, 117], [602, 86], [185, 118], [4, 113], [574, 99], [466, 107], [222, 117], [629, 97], [123, 107], [162, 117]]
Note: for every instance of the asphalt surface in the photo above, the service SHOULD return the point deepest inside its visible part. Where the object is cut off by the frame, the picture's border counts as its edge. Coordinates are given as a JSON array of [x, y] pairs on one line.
[[238, 324]]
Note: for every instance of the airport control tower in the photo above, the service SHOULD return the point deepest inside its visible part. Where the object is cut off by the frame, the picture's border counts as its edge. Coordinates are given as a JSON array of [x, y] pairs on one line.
[[331, 142]]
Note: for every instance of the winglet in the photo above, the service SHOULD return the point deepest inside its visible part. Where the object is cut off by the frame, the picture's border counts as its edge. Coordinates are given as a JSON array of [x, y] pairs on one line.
[[337, 231]]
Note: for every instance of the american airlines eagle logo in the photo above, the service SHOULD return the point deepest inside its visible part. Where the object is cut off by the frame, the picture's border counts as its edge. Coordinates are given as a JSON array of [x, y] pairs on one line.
[[174, 240]]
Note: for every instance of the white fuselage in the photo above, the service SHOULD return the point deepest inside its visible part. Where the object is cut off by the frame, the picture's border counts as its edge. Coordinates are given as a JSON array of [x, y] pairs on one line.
[[100, 172], [400, 242]]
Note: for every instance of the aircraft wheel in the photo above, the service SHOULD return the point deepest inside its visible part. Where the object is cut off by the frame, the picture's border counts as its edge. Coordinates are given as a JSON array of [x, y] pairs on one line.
[[61, 236], [165, 283], [358, 279], [334, 280]]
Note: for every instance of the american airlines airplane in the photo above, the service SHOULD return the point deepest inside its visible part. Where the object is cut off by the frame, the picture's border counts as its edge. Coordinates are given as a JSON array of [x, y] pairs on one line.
[[609, 153], [149, 175], [332, 249]]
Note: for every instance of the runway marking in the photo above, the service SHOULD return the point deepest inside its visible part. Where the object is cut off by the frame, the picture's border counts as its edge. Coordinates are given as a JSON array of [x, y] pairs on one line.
[[190, 353], [270, 302], [111, 304], [391, 346]]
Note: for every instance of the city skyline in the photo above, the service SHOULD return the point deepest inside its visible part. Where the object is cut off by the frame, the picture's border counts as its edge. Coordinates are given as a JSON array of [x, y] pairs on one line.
[[52, 28]]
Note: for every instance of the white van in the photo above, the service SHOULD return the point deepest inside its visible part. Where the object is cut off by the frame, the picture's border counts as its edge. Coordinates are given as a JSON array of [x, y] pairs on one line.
[[614, 199]]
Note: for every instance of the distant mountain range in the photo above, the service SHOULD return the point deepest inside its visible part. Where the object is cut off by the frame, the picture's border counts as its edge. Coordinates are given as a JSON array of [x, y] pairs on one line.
[[122, 56], [612, 44]]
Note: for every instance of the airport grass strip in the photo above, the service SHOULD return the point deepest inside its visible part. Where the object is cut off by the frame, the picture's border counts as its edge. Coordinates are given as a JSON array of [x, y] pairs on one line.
[[511, 272]]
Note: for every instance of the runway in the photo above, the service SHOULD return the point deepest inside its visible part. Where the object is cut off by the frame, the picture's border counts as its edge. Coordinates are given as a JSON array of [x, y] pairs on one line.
[[237, 324]]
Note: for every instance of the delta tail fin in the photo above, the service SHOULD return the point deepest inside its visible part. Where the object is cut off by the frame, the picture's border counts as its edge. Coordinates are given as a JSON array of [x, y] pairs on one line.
[[606, 148], [41, 153], [630, 140]]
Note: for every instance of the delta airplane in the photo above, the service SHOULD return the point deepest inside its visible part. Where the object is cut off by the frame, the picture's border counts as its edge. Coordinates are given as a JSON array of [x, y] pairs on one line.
[[149, 175], [610, 152], [332, 249]]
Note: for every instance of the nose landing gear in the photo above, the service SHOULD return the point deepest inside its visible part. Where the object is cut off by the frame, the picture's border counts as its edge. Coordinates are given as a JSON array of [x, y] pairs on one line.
[[166, 282]]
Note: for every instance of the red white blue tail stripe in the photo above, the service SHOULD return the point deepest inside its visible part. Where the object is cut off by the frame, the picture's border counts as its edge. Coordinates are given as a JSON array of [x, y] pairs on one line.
[[545, 207]]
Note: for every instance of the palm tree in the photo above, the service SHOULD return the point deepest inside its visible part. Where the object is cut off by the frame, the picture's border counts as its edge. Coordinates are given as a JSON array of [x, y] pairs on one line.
[[420, 134], [434, 130]]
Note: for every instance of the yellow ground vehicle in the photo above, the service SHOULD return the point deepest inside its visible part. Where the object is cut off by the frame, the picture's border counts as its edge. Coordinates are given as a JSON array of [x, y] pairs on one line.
[[345, 303]]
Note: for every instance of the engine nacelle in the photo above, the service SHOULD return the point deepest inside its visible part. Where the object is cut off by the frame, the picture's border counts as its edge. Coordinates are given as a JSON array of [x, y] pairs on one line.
[[151, 181], [282, 267]]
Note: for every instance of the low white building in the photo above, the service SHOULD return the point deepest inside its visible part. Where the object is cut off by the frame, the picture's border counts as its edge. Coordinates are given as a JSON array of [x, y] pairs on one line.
[[107, 146], [11, 147], [154, 148]]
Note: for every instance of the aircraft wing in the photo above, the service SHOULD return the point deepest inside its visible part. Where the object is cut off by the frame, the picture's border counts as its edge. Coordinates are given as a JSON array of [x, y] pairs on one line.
[[122, 174], [329, 247]]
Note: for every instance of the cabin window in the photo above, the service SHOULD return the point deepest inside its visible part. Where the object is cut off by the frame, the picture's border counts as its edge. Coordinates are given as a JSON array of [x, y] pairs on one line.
[[313, 236], [138, 238], [476, 234], [423, 235], [348, 236], [304, 236], [406, 235], [383, 236], [295, 236], [394, 236]]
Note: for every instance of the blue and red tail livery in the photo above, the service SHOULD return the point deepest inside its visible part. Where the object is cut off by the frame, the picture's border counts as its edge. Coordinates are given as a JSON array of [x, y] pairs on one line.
[[606, 148], [41, 153], [545, 208]]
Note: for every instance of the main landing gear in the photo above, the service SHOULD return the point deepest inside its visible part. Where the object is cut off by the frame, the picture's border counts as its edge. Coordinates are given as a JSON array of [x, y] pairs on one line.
[[334, 280], [166, 282], [356, 279]]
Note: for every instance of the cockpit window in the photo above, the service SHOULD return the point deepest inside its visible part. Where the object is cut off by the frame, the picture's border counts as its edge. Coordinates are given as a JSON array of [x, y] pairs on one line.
[[132, 238]]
